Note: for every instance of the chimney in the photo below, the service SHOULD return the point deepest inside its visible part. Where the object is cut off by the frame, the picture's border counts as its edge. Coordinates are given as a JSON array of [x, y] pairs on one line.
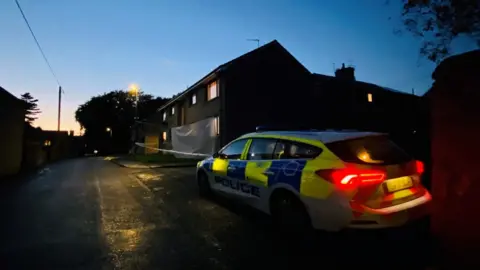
[[345, 73]]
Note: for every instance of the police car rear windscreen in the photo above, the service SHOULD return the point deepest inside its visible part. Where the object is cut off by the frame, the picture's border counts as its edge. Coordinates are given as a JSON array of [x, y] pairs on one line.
[[378, 150]]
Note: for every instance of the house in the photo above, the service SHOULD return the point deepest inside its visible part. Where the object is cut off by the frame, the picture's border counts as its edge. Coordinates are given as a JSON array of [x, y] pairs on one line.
[[268, 86], [346, 103], [12, 111], [262, 86], [353, 104]]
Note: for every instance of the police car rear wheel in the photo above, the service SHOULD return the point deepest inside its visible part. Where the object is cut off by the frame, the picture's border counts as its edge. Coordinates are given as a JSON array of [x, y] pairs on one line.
[[203, 185], [289, 213]]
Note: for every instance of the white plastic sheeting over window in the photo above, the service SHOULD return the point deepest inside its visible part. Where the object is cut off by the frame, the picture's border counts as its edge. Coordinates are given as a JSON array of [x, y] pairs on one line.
[[199, 137]]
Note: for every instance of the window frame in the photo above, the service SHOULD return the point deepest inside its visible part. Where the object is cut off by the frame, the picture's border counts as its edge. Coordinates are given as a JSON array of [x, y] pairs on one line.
[[164, 116], [261, 139], [288, 144], [217, 90], [219, 153], [172, 110], [216, 123]]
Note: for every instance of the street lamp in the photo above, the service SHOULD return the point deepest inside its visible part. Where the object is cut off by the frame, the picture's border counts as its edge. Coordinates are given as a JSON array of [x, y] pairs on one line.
[[134, 89], [109, 130]]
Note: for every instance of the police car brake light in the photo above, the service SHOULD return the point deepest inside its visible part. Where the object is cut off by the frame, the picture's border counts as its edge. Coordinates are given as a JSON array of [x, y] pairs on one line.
[[351, 178], [419, 166]]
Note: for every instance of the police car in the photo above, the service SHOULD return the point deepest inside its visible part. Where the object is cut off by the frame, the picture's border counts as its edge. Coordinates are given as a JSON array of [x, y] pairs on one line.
[[326, 179]]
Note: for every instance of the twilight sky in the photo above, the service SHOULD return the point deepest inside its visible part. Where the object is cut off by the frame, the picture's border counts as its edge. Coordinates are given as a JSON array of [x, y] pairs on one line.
[[95, 46]]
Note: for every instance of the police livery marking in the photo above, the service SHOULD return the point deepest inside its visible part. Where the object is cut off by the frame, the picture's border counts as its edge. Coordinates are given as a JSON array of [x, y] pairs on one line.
[[336, 194]]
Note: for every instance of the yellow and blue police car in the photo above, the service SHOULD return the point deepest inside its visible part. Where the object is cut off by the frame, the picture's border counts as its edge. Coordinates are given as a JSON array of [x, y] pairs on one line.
[[328, 180]]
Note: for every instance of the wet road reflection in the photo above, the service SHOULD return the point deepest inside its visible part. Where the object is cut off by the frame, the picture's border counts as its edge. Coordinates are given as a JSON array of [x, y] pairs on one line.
[[91, 214]]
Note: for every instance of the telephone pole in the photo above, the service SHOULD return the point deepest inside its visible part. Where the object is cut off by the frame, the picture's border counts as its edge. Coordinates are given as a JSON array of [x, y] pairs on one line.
[[59, 107]]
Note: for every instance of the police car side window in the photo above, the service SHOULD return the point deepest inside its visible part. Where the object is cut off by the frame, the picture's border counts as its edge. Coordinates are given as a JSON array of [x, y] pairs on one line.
[[295, 150], [279, 152], [261, 149], [234, 150]]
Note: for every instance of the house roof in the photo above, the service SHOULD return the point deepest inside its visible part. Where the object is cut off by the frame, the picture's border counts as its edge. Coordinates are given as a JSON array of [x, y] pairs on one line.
[[5, 94], [224, 67], [322, 76], [212, 74]]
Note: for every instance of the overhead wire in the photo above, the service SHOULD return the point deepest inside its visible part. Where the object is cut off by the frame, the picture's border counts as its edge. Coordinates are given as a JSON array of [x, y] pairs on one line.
[[36, 41]]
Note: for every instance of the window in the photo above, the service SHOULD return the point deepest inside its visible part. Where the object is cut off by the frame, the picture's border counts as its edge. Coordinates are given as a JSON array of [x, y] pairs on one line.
[[164, 136], [370, 97], [216, 125], [300, 150], [279, 151], [261, 149], [164, 116], [233, 150], [369, 150], [296, 150], [212, 90], [194, 99], [173, 110]]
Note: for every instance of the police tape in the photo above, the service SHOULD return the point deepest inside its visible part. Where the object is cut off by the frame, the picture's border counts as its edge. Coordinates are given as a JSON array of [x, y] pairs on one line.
[[172, 151]]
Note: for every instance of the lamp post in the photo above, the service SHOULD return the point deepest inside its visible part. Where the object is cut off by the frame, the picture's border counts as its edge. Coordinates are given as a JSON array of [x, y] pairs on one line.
[[135, 90], [109, 130]]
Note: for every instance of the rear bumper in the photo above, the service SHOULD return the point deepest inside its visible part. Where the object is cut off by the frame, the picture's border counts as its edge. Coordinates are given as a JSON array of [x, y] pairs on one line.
[[394, 216]]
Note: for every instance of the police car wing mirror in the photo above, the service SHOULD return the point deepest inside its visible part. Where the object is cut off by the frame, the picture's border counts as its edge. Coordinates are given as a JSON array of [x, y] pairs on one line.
[[220, 156]]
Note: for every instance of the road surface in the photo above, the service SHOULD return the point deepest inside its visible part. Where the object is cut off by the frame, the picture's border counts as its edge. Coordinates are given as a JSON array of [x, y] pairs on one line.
[[92, 214]]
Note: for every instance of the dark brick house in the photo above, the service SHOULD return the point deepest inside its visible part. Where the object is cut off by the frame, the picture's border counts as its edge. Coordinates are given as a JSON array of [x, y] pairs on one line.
[[352, 104], [12, 111], [268, 86], [258, 87]]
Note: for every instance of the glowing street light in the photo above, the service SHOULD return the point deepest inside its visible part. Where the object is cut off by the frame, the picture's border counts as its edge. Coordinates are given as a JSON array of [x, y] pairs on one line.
[[134, 89], [109, 130]]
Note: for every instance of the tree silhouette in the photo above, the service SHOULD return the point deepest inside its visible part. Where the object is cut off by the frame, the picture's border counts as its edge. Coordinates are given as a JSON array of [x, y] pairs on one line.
[[31, 108], [114, 110], [439, 22]]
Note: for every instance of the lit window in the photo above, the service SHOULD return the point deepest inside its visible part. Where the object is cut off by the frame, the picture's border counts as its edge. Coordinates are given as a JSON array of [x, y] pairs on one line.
[[173, 110], [164, 116], [370, 97], [212, 90], [164, 136], [194, 99], [216, 125]]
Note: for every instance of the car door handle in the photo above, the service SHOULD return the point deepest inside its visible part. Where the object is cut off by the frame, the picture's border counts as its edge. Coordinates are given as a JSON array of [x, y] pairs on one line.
[[268, 173]]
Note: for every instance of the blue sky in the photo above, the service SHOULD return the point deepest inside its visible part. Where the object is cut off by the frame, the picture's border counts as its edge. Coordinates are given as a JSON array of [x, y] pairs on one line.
[[164, 46]]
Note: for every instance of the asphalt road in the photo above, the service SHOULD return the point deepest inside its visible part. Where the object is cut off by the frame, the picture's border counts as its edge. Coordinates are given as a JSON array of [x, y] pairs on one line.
[[92, 214]]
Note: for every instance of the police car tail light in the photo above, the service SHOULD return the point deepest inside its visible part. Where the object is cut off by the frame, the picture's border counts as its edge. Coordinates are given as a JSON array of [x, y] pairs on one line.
[[351, 178], [419, 166]]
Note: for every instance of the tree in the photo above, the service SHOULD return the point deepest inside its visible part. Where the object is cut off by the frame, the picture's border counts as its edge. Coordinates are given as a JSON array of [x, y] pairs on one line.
[[439, 22], [115, 110], [31, 107]]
